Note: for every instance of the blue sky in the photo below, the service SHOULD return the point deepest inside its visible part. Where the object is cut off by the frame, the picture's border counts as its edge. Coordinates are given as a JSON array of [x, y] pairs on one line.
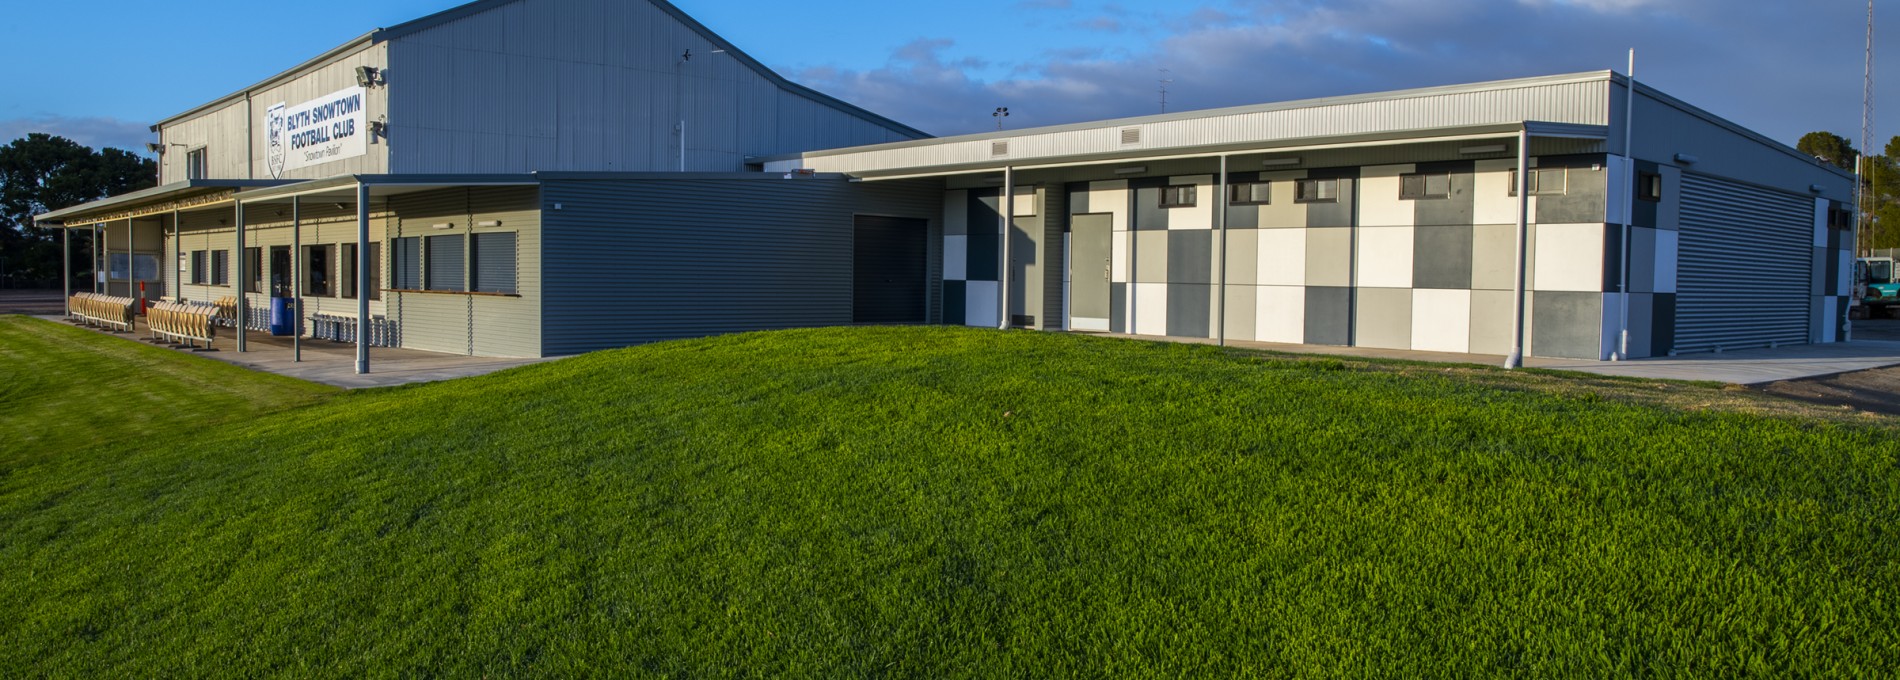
[[101, 71]]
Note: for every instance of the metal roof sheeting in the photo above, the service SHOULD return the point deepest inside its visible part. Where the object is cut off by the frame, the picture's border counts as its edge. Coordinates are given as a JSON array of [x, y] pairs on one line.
[[1577, 99]]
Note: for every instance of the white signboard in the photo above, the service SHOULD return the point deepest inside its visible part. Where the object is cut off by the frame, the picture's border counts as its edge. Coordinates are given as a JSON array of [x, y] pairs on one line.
[[328, 128]]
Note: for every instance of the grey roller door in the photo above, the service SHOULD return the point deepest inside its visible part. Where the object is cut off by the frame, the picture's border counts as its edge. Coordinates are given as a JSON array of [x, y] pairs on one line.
[[1745, 262], [889, 272]]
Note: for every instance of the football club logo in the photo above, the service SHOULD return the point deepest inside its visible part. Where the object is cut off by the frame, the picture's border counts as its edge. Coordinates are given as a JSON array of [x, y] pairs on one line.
[[275, 145]]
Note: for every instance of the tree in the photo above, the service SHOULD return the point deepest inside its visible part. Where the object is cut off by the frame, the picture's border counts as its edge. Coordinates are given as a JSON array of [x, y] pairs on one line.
[[41, 172], [1829, 147]]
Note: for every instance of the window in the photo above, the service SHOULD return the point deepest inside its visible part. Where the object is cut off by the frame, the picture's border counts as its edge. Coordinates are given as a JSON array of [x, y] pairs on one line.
[[198, 267], [253, 269], [444, 257], [1422, 186], [1544, 182], [495, 262], [1649, 186], [1178, 196], [1249, 193], [406, 263], [196, 164], [318, 274], [375, 271], [1317, 191], [220, 267], [145, 266]]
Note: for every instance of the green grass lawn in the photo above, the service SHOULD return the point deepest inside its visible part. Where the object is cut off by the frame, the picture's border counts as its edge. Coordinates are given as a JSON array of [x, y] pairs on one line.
[[929, 502]]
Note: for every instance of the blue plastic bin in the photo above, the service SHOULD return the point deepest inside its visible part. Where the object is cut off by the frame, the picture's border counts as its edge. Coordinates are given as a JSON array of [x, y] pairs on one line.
[[283, 316]]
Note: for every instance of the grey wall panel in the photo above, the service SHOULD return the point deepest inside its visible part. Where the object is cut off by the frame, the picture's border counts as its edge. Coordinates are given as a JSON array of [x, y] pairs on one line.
[[1665, 127], [595, 85], [634, 261]]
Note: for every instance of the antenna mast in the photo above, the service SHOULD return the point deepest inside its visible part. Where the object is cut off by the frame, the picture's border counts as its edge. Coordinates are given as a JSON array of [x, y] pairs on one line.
[[1862, 201], [1167, 77]]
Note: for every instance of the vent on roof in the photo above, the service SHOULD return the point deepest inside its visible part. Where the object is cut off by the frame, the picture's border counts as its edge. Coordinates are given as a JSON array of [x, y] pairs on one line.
[[1131, 135], [999, 148]]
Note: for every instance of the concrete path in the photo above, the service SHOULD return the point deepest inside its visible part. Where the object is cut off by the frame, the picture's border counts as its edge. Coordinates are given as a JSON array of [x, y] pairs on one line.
[[1745, 367], [1750, 366], [334, 363]]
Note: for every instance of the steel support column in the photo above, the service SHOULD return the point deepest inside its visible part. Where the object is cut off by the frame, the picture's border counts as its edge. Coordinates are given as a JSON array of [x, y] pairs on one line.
[[1516, 358], [66, 267], [238, 281], [1220, 259], [296, 278], [362, 282], [1009, 215]]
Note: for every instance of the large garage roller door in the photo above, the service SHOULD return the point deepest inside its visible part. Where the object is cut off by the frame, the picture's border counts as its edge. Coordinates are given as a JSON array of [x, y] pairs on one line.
[[1746, 261]]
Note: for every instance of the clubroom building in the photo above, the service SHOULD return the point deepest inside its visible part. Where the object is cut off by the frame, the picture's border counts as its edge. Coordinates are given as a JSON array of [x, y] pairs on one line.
[[547, 177]]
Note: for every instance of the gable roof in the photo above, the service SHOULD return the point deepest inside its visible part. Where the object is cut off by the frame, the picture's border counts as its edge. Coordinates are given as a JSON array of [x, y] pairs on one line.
[[412, 27]]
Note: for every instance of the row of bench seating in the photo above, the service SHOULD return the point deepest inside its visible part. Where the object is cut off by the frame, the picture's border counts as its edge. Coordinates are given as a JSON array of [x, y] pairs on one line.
[[105, 310], [186, 322]]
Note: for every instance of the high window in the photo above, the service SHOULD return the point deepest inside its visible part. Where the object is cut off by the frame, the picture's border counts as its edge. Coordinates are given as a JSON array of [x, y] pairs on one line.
[[1317, 191], [1178, 196], [1543, 181], [1424, 186], [1250, 193]]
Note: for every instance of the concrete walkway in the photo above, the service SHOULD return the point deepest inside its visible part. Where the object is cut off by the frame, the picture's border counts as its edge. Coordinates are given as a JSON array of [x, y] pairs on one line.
[[334, 363], [1744, 367]]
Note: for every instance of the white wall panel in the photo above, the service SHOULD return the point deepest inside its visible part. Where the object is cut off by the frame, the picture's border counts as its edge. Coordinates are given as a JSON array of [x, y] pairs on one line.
[[1385, 257], [1151, 308], [1282, 257], [1570, 257], [1280, 314], [1441, 320], [1378, 195]]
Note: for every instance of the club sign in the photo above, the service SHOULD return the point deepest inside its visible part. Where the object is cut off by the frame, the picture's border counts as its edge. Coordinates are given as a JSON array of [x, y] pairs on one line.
[[328, 128]]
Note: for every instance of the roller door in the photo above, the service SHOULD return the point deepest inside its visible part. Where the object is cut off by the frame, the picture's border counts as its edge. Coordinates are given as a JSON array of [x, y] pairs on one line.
[[1745, 263]]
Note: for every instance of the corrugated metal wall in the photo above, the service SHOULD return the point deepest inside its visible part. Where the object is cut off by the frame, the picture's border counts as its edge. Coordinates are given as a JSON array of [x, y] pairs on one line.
[[459, 323], [592, 85], [1055, 227], [222, 130], [634, 261], [1745, 268]]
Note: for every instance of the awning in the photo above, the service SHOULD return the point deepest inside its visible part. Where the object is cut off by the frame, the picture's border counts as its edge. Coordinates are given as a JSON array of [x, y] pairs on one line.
[[187, 195]]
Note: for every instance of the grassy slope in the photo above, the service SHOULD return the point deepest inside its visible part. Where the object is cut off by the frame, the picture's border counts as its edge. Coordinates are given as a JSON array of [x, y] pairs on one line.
[[932, 502]]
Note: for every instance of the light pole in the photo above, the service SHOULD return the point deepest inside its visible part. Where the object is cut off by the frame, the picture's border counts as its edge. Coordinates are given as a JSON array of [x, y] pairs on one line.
[[1001, 113]]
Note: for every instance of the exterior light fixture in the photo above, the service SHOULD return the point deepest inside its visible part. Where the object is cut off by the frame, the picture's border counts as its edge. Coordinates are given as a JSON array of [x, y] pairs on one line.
[[1131, 171], [369, 75], [1816, 188], [155, 147], [488, 223], [442, 225], [1001, 113], [1686, 159], [1485, 148], [1294, 160]]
